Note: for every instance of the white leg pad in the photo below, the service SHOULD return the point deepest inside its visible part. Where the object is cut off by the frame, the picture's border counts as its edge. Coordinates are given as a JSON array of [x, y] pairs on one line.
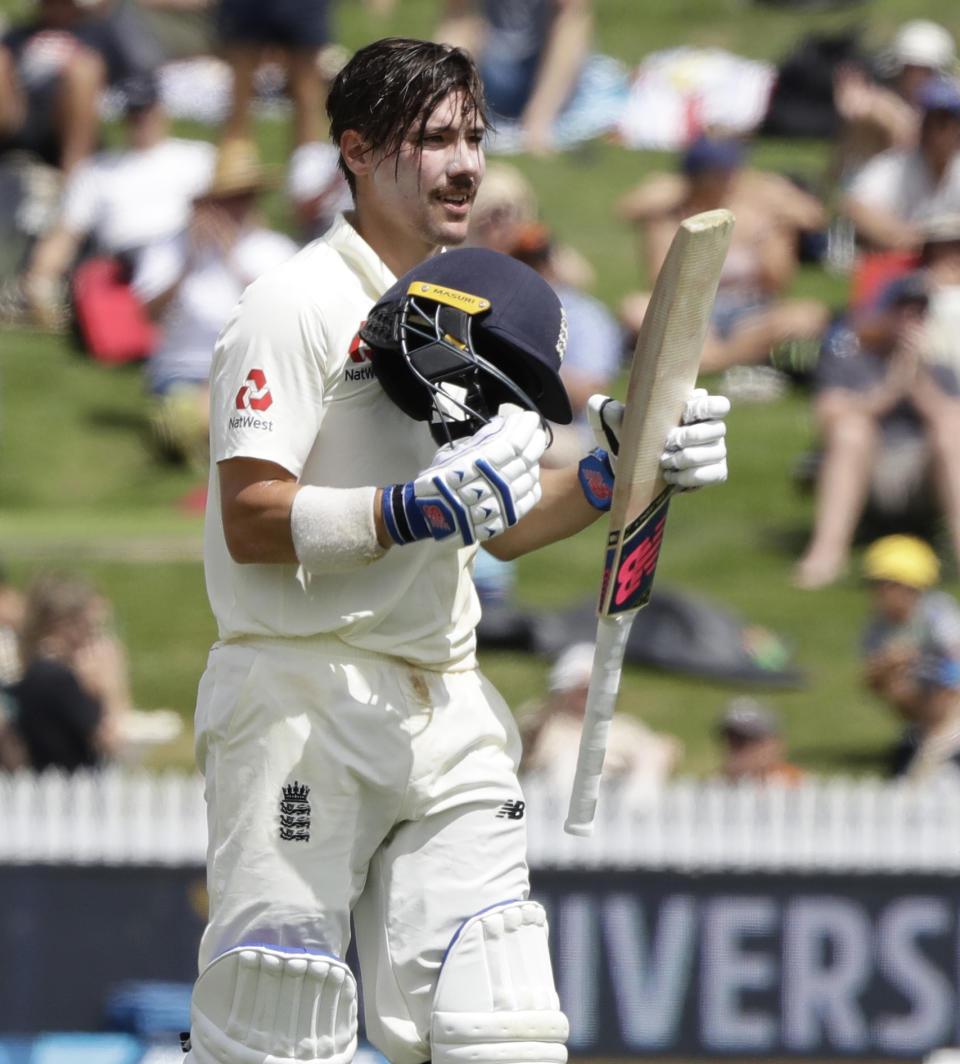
[[495, 999], [260, 1005]]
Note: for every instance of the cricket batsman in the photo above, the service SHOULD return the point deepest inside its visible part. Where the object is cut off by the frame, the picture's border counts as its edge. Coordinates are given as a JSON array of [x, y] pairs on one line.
[[378, 412]]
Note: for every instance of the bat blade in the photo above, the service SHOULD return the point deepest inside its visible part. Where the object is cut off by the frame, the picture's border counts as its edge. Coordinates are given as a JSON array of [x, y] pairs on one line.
[[664, 370]]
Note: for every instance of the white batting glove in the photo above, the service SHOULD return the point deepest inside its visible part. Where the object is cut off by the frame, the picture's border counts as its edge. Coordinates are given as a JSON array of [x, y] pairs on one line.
[[695, 453], [475, 488]]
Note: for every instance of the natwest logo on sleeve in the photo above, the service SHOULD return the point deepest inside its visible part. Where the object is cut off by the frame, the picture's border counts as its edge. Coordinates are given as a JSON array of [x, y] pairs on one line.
[[253, 399], [254, 393]]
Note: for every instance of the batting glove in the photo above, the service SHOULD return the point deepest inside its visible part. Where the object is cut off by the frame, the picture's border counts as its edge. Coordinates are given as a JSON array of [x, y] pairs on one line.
[[695, 453], [475, 488]]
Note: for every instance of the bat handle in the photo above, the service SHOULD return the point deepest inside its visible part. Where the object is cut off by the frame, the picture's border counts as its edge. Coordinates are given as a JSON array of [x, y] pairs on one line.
[[611, 645]]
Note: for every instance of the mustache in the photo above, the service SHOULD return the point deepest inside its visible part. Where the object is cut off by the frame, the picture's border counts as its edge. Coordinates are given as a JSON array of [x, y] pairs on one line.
[[459, 187]]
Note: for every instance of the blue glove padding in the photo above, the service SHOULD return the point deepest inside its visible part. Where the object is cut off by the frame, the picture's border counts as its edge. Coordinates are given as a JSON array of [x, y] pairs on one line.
[[596, 478]]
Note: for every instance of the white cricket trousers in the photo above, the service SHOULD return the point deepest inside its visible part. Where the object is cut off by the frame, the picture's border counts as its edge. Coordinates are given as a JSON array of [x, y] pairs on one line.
[[340, 781]]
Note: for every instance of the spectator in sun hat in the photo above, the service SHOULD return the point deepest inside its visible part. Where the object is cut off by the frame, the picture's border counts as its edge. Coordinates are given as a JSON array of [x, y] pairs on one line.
[[192, 281], [910, 617], [752, 747], [899, 190], [929, 748]]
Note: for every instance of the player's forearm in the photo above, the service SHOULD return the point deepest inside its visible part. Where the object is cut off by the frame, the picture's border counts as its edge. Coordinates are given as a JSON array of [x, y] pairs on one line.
[[563, 511]]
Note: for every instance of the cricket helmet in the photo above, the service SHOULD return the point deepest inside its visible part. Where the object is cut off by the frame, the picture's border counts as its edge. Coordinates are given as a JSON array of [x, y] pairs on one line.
[[463, 333]]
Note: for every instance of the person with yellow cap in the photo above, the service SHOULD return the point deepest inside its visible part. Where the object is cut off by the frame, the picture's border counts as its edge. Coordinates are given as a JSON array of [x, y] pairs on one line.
[[911, 618]]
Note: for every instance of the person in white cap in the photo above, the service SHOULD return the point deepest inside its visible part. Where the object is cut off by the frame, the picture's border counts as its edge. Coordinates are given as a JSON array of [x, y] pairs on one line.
[[883, 112], [639, 760]]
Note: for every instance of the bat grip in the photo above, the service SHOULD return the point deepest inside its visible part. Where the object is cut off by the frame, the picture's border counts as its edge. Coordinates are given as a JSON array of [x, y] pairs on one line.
[[611, 645]]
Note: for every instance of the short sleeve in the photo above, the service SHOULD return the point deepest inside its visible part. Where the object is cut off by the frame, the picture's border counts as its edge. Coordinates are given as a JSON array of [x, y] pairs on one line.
[[267, 380]]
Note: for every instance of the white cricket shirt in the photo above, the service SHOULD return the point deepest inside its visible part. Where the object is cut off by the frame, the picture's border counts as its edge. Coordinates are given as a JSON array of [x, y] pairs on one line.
[[291, 384]]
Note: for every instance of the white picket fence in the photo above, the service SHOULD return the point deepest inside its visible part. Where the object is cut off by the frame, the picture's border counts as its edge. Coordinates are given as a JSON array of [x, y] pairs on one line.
[[118, 817]]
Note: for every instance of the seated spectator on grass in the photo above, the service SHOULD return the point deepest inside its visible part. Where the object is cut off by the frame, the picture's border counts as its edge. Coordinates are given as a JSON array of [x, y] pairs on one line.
[[118, 202], [929, 749], [544, 87], [899, 190], [191, 282], [595, 343], [889, 425], [751, 315], [879, 109], [639, 760], [909, 617], [752, 748], [50, 85], [75, 688]]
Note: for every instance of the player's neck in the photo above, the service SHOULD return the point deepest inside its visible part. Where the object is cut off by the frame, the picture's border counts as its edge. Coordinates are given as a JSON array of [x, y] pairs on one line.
[[400, 247]]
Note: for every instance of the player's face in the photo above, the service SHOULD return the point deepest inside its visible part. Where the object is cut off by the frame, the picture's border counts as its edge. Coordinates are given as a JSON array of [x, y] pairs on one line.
[[429, 188]]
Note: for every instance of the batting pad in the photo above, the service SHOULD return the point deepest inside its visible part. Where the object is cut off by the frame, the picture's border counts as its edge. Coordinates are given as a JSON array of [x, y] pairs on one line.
[[260, 1005], [495, 999]]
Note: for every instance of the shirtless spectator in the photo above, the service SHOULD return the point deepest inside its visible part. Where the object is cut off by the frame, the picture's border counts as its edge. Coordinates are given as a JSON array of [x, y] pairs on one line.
[[751, 316]]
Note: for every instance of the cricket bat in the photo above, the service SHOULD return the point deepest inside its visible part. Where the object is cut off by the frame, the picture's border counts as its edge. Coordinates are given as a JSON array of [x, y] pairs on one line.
[[664, 371]]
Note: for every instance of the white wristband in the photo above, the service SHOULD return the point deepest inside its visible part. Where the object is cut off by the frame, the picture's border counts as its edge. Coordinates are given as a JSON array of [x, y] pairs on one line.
[[333, 528]]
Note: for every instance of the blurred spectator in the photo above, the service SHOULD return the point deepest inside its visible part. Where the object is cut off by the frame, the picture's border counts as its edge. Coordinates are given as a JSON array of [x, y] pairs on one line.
[[505, 203], [752, 745], [909, 617], [941, 259], [192, 281], [317, 189], [638, 759], [183, 29], [13, 753], [11, 620], [883, 111], [595, 343], [75, 689], [750, 316], [120, 201], [899, 190], [930, 746], [296, 30], [50, 85], [531, 55], [889, 425]]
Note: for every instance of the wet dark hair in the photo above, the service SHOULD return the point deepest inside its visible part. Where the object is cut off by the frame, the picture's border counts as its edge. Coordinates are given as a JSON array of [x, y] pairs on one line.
[[394, 85]]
